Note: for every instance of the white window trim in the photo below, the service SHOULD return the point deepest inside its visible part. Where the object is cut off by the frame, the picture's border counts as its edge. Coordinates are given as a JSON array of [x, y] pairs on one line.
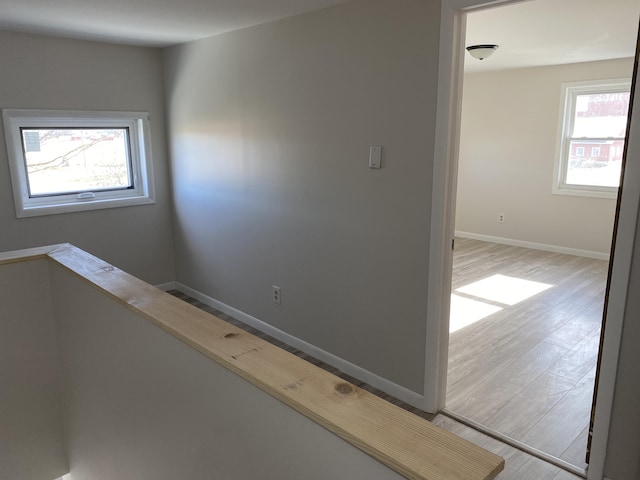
[[569, 91], [142, 163]]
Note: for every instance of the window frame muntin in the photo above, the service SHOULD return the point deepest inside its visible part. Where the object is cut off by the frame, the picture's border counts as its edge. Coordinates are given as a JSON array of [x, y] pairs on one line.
[[569, 93], [139, 151]]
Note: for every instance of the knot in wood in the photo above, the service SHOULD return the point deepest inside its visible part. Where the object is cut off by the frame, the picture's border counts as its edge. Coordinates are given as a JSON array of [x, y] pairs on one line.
[[231, 335], [344, 388], [108, 269]]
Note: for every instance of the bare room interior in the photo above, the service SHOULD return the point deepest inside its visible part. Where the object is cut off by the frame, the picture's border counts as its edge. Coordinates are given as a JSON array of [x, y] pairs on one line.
[[530, 263], [255, 280]]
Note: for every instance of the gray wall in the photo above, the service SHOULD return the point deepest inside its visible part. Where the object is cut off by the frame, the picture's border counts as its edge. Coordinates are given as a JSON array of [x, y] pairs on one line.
[[52, 73], [30, 407], [510, 122], [623, 451], [140, 404], [270, 129]]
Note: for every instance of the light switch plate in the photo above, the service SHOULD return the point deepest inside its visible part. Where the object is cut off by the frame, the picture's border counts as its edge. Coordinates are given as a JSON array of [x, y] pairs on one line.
[[375, 157]]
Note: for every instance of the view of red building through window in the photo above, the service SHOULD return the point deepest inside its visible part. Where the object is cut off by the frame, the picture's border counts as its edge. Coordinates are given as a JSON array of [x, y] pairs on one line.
[[597, 139]]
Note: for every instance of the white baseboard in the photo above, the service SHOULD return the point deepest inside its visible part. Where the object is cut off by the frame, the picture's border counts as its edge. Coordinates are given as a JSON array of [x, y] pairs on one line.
[[535, 246], [168, 286], [408, 396]]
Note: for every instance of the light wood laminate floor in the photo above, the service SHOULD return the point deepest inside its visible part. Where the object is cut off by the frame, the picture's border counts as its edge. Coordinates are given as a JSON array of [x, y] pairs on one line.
[[524, 343], [518, 464]]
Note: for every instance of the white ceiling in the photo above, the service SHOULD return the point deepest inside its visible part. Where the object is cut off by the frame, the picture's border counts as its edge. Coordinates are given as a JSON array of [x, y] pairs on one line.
[[530, 33], [146, 22], [553, 32]]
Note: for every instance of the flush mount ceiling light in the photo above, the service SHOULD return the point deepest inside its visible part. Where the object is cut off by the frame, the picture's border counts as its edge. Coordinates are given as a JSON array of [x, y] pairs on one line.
[[481, 51]]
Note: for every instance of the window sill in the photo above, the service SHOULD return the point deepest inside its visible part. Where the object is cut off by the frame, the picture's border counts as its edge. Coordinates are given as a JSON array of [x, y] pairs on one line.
[[95, 204], [585, 192]]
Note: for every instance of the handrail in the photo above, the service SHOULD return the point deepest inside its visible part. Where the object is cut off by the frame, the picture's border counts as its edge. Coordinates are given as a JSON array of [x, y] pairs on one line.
[[406, 443]]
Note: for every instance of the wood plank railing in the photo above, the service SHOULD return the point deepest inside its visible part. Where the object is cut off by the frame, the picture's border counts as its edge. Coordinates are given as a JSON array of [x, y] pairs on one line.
[[406, 443]]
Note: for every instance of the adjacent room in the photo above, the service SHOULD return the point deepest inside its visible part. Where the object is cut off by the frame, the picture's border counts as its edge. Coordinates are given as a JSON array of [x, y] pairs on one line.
[[541, 137]]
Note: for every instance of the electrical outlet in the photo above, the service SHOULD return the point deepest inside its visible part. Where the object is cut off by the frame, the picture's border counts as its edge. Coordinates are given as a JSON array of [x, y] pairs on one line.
[[501, 218], [275, 294]]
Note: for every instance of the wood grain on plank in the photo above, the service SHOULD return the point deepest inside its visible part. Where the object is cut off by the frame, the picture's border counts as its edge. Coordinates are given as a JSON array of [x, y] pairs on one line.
[[408, 444]]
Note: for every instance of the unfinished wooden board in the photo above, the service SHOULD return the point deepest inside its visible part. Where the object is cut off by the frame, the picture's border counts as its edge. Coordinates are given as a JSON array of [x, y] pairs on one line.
[[408, 444]]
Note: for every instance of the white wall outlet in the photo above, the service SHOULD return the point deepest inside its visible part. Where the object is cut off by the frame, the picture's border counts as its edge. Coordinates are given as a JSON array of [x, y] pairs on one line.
[[501, 218], [275, 294]]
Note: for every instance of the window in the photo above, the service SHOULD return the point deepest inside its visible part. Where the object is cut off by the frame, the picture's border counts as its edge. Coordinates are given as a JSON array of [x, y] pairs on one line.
[[592, 137], [64, 161]]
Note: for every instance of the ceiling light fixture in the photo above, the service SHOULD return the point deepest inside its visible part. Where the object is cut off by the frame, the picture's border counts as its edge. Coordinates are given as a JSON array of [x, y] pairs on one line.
[[481, 51]]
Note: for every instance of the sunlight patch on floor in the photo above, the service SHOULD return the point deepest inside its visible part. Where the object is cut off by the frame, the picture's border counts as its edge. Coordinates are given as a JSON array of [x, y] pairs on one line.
[[465, 311], [503, 289]]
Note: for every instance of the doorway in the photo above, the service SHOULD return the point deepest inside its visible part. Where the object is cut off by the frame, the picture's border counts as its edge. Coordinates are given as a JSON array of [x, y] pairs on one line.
[[591, 309]]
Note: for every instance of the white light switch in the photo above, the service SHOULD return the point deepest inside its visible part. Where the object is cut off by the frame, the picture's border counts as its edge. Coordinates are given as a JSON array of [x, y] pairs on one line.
[[375, 157]]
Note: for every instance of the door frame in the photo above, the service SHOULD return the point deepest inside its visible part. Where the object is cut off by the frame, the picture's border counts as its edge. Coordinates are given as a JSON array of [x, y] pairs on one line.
[[445, 167]]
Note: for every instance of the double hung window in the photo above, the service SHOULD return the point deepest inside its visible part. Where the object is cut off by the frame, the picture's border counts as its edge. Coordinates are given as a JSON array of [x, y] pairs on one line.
[[592, 137]]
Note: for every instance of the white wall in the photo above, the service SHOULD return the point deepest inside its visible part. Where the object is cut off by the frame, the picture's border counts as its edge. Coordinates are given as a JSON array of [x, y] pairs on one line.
[[270, 129], [31, 445], [623, 451], [141, 404], [507, 152], [52, 73]]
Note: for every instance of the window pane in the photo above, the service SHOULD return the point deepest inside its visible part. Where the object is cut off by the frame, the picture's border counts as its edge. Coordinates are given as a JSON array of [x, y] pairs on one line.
[[601, 115], [76, 160], [595, 163]]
